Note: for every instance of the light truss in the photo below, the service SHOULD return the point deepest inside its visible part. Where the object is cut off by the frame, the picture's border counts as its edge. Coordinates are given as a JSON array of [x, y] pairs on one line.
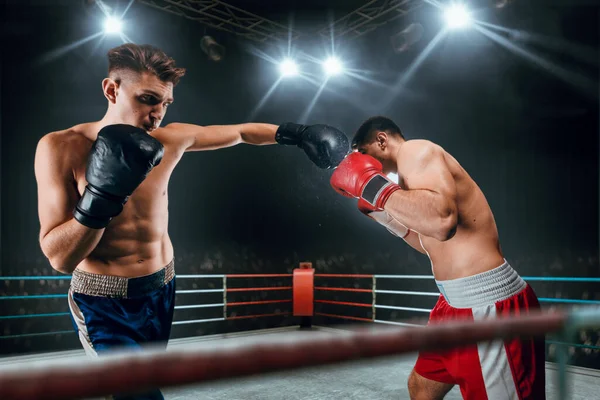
[[222, 16], [368, 17]]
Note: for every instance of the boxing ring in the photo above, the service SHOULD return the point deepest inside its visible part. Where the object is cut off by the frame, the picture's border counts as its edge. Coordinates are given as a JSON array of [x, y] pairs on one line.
[[373, 348]]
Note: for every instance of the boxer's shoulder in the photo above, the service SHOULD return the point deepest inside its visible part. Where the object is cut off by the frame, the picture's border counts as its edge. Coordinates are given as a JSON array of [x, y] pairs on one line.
[[417, 151], [78, 136], [420, 147], [173, 132], [70, 145], [175, 135]]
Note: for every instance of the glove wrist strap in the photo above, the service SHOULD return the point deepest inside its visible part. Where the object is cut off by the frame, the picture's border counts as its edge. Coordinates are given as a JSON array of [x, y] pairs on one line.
[[289, 133], [378, 190], [95, 208]]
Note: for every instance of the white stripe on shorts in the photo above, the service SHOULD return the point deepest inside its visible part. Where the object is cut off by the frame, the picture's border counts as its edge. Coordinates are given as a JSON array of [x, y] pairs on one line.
[[497, 375], [82, 332]]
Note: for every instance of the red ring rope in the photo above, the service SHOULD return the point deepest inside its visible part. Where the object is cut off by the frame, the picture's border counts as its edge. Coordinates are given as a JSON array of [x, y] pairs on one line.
[[259, 315], [246, 303], [255, 289], [344, 303], [146, 370], [249, 276], [342, 289], [344, 317]]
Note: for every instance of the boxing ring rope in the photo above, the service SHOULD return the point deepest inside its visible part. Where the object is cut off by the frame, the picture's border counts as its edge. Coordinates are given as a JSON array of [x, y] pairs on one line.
[[224, 304], [562, 344], [374, 291], [119, 373], [288, 357]]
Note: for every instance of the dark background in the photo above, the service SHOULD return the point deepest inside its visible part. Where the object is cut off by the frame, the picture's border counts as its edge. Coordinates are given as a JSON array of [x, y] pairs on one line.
[[527, 135]]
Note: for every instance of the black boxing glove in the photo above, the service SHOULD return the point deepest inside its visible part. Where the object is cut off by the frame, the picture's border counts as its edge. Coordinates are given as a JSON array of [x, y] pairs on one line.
[[325, 145], [120, 159]]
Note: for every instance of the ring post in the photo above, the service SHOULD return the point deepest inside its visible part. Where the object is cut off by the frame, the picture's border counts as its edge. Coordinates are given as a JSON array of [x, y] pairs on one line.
[[304, 293]]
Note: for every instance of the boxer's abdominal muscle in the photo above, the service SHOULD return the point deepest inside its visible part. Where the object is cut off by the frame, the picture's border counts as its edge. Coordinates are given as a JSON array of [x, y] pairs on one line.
[[136, 242]]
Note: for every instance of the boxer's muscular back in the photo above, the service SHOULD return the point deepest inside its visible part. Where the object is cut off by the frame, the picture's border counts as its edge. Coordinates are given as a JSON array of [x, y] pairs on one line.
[[475, 247], [136, 242]]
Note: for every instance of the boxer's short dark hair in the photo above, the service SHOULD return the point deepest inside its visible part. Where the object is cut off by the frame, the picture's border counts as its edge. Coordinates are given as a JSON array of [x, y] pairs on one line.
[[144, 58], [375, 124]]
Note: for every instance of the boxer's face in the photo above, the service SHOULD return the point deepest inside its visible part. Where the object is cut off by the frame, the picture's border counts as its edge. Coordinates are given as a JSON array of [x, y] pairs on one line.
[[378, 148], [142, 100]]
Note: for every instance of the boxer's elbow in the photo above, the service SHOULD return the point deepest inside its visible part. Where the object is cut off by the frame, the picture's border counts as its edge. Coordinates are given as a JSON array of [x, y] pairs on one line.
[[447, 223], [63, 263], [63, 266], [447, 231], [59, 261]]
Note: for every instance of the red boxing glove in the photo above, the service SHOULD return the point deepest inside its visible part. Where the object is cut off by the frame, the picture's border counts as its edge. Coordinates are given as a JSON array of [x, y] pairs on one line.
[[361, 176]]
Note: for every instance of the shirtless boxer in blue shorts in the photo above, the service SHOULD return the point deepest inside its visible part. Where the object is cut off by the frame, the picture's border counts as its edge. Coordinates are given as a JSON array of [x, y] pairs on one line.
[[102, 198]]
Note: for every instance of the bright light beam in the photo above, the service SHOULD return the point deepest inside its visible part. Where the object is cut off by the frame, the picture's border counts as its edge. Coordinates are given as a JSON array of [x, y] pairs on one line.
[[333, 66], [127, 8], [413, 68], [310, 107], [582, 83], [288, 68], [112, 25], [360, 75], [54, 54], [457, 16], [264, 99], [579, 52]]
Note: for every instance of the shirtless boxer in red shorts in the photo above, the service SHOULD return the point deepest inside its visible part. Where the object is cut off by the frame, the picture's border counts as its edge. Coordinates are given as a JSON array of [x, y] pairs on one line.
[[440, 211]]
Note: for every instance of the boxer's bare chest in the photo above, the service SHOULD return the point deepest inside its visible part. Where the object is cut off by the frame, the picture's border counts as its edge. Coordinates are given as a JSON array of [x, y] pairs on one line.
[[147, 208]]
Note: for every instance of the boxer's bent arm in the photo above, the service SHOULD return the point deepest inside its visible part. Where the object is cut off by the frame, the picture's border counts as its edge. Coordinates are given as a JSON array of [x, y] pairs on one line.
[[429, 207], [220, 136], [64, 241], [412, 239], [68, 244]]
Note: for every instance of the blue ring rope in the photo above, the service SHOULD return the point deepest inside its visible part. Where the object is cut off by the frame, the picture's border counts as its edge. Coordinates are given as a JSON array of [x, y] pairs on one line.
[[34, 296], [34, 278], [571, 301], [35, 334], [585, 346], [33, 315], [59, 296], [559, 279], [527, 278]]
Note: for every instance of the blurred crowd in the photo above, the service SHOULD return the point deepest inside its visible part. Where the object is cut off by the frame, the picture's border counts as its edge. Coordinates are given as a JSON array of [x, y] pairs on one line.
[[244, 260]]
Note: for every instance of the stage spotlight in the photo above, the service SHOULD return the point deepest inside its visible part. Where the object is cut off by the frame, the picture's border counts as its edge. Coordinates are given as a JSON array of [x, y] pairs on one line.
[[401, 41], [332, 66], [288, 68], [112, 25], [212, 49], [457, 16]]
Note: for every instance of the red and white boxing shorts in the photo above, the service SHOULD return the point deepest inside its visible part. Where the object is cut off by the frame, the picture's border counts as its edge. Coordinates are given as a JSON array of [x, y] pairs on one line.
[[498, 370]]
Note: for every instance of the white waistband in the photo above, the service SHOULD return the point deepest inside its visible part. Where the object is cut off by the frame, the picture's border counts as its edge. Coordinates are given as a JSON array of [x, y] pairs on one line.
[[486, 288]]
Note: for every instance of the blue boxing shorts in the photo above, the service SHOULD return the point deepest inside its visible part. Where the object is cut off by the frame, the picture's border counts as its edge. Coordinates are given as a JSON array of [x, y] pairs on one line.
[[112, 312]]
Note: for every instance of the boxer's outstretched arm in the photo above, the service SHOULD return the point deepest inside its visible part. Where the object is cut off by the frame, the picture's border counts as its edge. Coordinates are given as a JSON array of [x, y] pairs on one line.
[[429, 206], [219, 136], [64, 241]]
